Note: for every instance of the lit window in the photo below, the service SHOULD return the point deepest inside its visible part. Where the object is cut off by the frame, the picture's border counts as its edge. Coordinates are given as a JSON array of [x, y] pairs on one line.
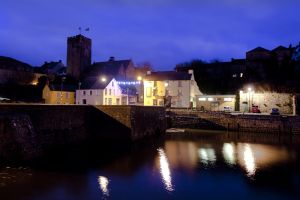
[[241, 75], [83, 92], [234, 75], [202, 99], [149, 91], [210, 99], [228, 99], [67, 95], [105, 101], [112, 83]]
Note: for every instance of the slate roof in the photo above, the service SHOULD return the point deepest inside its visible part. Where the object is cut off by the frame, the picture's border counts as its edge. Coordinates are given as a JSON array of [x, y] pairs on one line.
[[13, 64], [109, 68], [93, 82], [280, 48], [51, 67], [258, 49], [168, 75]]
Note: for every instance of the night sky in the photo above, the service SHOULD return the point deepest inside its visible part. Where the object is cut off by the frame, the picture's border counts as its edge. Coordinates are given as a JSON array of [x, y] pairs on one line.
[[162, 32]]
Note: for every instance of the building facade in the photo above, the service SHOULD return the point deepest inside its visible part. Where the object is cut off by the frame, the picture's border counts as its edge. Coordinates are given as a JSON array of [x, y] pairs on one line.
[[285, 102], [57, 94], [216, 102], [179, 89]]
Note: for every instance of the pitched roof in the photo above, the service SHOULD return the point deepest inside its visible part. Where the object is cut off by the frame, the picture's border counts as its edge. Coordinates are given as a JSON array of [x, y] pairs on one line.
[[280, 48], [64, 87], [109, 68], [168, 75], [128, 89], [258, 49], [51, 67], [93, 82], [13, 64]]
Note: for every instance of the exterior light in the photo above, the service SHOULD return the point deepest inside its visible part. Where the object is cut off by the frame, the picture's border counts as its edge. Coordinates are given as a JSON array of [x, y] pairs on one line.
[[241, 91], [139, 78], [166, 84], [249, 89], [103, 79]]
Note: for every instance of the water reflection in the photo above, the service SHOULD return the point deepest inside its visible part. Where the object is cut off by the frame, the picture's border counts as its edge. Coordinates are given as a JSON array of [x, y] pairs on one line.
[[165, 170], [229, 153], [207, 155], [103, 182], [249, 160]]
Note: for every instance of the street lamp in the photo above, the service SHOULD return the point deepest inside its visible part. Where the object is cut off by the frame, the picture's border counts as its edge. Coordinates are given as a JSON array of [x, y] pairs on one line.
[[139, 78], [103, 79]]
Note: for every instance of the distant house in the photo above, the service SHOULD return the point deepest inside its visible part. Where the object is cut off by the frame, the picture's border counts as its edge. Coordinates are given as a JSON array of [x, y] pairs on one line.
[[51, 68], [119, 69], [104, 91], [59, 94], [177, 88], [14, 71]]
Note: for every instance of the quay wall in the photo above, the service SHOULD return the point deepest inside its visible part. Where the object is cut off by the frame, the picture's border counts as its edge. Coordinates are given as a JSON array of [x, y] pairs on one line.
[[28, 131], [238, 122]]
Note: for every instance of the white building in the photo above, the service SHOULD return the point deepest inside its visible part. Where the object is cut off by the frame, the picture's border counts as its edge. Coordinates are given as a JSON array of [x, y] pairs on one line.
[[105, 91], [178, 87]]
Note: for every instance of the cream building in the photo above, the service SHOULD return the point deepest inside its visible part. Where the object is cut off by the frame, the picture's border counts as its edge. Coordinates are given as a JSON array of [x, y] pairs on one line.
[[178, 88], [216, 102]]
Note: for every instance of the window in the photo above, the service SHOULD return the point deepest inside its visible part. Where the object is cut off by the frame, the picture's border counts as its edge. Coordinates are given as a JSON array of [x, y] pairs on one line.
[[105, 91], [233, 75], [149, 91], [83, 101], [154, 92], [167, 92], [202, 99], [179, 92], [155, 102], [109, 101], [105, 101], [155, 83], [109, 92], [179, 83], [91, 92], [228, 99], [118, 101], [83, 93], [67, 95], [58, 94], [210, 99], [241, 75]]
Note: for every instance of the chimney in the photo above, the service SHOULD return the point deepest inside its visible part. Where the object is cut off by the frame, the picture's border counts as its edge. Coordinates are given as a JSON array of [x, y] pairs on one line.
[[191, 71], [111, 59]]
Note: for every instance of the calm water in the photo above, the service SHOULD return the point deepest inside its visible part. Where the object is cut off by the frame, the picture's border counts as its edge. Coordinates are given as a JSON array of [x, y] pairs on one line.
[[190, 168]]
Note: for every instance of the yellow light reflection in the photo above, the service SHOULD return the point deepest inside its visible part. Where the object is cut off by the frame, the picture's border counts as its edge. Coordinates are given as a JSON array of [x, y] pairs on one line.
[[165, 170], [207, 155], [229, 153], [103, 182], [249, 160]]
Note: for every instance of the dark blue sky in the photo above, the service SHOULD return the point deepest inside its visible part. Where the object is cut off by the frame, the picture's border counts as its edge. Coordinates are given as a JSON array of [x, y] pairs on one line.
[[162, 32]]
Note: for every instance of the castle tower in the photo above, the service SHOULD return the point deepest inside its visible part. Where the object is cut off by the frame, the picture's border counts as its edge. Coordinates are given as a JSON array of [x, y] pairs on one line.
[[78, 55]]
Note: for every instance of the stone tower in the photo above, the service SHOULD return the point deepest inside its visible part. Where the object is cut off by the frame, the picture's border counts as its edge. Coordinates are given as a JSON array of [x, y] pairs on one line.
[[78, 55]]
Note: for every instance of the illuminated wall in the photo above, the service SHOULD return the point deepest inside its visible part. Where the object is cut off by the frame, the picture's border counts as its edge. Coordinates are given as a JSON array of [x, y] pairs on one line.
[[58, 97]]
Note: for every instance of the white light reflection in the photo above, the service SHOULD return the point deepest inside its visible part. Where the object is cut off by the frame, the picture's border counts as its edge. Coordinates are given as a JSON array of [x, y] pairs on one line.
[[229, 153], [207, 155], [249, 160], [103, 182], [165, 170]]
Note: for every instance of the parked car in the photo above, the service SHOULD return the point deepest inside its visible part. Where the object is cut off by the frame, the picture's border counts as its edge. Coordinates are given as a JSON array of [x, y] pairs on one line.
[[275, 111], [255, 109]]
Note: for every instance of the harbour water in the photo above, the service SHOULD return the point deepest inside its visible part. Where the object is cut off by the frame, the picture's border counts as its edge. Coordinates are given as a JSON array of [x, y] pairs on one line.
[[221, 166]]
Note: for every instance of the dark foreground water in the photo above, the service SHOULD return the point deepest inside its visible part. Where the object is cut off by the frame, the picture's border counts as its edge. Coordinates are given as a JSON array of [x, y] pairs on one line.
[[203, 167]]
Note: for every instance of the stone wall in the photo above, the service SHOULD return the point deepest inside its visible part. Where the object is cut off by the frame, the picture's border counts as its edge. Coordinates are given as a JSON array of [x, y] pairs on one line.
[[247, 123], [28, 131]]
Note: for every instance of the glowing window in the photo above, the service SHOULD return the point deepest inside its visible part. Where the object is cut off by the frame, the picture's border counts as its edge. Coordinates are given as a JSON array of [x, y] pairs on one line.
[[228, 99], [202, 99], [210, 99]]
